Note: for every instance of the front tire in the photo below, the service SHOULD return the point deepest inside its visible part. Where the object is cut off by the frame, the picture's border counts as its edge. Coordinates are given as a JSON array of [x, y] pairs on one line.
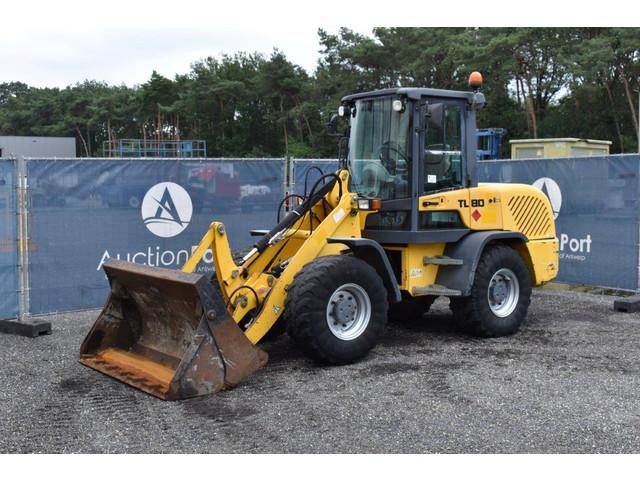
[[500, 295], [336, 309]]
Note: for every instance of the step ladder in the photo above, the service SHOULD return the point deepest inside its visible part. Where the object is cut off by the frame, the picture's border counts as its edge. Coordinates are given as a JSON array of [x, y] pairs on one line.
[[442, 260], [437, 290]]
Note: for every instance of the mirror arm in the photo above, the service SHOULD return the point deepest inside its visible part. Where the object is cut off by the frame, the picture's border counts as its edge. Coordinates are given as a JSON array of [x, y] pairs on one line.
[[478, 102]]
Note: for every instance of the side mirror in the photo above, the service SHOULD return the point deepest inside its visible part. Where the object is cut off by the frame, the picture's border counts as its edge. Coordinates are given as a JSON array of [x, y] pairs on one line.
[[332, 125], [435, 115]]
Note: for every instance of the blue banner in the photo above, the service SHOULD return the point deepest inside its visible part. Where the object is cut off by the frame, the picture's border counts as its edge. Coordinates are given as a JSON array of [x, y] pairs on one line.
[[306, 172], [8, 240], [84, 211], [595, 200]]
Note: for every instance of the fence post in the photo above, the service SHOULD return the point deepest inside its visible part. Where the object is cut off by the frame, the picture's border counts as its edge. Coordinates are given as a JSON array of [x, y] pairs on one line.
[[24, 239], [24, 324], [19, 238], [291, 174], [288, 181], [637, 191]]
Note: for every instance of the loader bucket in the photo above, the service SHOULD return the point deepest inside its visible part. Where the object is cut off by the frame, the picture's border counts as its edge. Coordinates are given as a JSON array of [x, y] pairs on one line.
[[167, 333]]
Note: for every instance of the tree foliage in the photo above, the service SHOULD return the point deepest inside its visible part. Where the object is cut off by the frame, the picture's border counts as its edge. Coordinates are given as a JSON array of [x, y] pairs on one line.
[[540, 82]]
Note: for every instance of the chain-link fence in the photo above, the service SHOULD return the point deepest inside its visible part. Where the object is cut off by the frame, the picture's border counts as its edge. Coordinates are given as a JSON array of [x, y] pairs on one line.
[[8, 240], [308, 171], [153, 211], [595, 201], [61, 218]]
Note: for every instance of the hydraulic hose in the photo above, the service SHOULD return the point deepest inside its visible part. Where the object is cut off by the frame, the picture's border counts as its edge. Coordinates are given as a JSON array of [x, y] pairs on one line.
[[292, 216]]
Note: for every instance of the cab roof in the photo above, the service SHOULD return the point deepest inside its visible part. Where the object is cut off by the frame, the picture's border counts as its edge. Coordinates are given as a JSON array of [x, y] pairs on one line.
[[412, 92]]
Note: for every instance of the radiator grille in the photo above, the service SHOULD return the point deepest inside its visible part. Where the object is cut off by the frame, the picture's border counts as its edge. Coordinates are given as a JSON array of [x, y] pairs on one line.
[[531, 215]]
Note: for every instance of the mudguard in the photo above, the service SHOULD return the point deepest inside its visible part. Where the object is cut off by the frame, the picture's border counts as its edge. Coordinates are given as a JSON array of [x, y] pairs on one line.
[[469, 249]]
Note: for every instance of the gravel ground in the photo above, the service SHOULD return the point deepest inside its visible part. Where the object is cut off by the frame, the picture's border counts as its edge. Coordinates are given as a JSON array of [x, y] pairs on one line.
[[568, 382]]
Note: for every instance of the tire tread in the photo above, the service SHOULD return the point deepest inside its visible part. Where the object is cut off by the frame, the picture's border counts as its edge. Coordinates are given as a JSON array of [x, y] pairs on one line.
[[306, 309], [473, 314]]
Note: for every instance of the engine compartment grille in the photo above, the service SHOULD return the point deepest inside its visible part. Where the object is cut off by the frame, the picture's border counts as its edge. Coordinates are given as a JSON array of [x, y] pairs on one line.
[[531, 215]]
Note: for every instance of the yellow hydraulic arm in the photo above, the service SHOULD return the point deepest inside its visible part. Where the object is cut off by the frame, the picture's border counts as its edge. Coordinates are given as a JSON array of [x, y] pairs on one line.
[[253, 284]]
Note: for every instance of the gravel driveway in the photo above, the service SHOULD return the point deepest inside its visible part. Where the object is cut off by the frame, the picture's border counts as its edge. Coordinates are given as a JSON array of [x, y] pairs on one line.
[[568, 382]]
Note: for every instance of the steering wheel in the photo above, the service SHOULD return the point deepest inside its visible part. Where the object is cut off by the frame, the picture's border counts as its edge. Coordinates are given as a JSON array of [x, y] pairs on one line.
[[385, 158]]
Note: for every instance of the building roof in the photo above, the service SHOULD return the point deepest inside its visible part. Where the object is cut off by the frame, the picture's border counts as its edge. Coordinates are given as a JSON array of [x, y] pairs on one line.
[[564, 140], [33, 137]]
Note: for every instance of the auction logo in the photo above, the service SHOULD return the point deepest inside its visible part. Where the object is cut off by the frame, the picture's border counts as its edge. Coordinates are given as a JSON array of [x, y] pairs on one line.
[[551, 189], [166, 209]]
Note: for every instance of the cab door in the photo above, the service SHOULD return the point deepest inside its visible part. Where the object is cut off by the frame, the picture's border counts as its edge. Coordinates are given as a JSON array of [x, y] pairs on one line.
[[442, 166], [442, 162]]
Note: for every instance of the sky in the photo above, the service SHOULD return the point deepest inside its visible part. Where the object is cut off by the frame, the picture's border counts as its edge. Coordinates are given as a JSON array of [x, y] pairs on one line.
[[57, 43], [129, 54], [62, 42]]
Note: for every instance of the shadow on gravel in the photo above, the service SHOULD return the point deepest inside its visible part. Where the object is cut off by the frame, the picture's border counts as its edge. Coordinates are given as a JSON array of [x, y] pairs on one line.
[[75, 385], [216, 409]]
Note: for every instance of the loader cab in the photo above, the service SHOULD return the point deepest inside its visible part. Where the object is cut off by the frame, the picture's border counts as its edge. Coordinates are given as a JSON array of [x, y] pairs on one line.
[[406, 143]]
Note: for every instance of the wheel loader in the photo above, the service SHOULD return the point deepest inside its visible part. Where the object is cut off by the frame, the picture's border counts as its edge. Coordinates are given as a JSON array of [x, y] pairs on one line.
[[402, 222]]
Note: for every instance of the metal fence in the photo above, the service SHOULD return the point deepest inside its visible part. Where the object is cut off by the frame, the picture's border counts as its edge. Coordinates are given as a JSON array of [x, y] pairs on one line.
[[8, 239], [83, 211], [595, 200], [73, 214], [307, 171]]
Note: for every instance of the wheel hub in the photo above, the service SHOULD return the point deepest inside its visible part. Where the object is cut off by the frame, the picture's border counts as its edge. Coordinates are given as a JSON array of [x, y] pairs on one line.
[[503, 293], [348, 311], [344, 309], [499, 291]]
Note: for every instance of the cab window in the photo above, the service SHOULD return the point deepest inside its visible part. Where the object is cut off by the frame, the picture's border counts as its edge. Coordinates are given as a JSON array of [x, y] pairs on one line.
[[443, 146], [380, 148]]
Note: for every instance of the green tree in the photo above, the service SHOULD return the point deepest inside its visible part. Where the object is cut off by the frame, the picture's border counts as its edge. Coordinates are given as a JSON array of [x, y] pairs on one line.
[[539, 82]]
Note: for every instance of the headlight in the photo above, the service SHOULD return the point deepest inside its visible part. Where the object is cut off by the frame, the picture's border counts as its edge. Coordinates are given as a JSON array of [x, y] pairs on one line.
[[363, 204], [369, 204]]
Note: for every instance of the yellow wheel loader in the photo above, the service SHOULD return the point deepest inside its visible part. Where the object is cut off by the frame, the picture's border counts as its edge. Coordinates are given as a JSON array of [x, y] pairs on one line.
[[402, 222]]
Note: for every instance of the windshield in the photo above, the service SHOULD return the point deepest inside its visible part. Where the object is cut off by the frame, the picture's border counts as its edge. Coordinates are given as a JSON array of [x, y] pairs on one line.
[[380, 149]]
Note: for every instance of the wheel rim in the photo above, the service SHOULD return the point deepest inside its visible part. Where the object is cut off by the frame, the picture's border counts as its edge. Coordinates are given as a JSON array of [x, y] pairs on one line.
[[348, 311], [503, 292]]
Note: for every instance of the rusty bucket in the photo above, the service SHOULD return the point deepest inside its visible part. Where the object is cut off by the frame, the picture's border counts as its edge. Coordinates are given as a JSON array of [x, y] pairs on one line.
[[167, 333]]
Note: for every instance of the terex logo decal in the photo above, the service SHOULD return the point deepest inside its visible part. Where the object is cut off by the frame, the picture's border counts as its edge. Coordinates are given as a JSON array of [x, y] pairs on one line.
[[551, 189], [166, 209]]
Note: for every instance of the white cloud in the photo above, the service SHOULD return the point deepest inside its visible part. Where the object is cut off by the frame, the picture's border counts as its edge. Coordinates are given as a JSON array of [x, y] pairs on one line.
[[59, 43], [129, 55]]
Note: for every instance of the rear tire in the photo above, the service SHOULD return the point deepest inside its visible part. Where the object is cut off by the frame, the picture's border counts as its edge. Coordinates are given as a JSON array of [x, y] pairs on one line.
[[336, 309], [500, 295]]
